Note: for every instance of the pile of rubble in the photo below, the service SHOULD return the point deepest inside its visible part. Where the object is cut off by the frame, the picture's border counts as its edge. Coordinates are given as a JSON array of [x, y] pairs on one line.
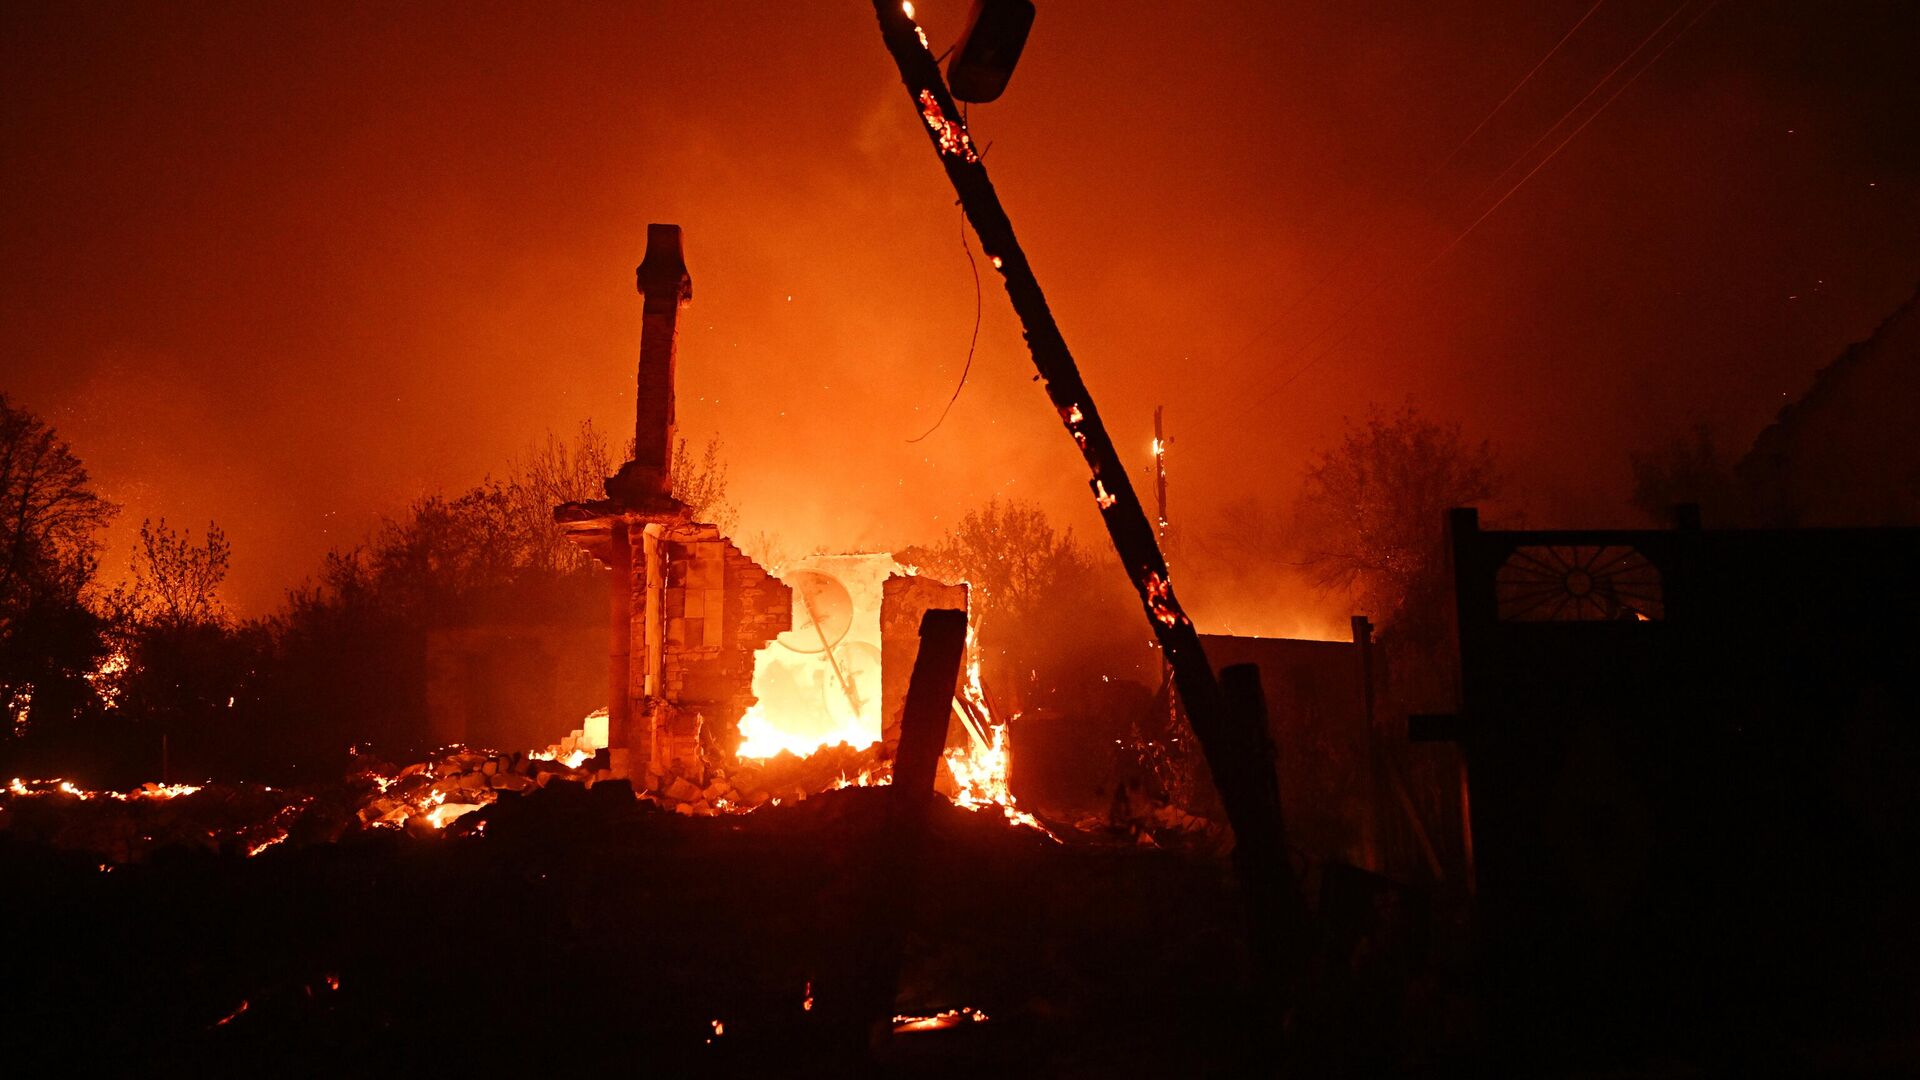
[[750, 783], [427, 796]]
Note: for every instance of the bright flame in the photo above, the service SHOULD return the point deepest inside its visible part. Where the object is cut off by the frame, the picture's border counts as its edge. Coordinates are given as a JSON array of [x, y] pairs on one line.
[[446, 813], [907, 6], [982, 769], [105, 677], [818, 684], [580, 745]]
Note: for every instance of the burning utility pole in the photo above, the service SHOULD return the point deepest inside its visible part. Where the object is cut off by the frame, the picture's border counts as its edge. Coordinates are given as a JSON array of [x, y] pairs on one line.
[[1160, 474], [1237, 746], [1125, 519], [1160, 531]]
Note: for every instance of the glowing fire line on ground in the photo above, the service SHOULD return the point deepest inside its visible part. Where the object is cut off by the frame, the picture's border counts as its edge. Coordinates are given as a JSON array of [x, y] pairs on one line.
[[939, 1021], [437, 793], [57, 786]]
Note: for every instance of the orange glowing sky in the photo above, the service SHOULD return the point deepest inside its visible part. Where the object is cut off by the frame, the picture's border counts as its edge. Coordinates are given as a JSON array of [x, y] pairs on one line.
[[290, 267]]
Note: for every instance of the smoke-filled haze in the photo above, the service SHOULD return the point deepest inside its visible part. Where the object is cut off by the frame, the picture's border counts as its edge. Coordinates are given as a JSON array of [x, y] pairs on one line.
[[289, 267]]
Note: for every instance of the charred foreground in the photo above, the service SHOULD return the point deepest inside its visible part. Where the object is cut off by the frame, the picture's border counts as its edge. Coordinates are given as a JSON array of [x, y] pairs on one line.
[[572, 927]]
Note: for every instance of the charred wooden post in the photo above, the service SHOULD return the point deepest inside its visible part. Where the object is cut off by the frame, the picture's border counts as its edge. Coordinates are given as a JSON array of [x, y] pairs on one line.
[[923, 725], [1248, 806], [1275, 913], [889, 896]]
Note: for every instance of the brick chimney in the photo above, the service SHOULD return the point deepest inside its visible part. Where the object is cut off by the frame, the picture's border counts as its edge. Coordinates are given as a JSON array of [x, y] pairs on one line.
[[645, 483]]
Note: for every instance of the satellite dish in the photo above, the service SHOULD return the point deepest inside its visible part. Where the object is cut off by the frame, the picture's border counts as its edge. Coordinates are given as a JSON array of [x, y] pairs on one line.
[[989, 48], [822, 612]]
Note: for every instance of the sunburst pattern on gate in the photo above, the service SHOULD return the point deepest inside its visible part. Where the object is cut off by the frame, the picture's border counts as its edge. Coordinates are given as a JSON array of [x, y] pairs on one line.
[[1578, 583]]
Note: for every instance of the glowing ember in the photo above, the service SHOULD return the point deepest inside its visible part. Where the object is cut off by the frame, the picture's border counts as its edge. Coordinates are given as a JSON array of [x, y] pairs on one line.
[[938, 1021], [105, 677], [158, 791], [277, 838], [20, 707], [954, 140], [17, 786], [1160, 596], [1101, 495]]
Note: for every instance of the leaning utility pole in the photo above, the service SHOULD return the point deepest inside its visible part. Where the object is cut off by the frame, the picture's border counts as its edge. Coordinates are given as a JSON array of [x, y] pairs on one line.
[[1120, 509], [1237, 746], [1160, 531]]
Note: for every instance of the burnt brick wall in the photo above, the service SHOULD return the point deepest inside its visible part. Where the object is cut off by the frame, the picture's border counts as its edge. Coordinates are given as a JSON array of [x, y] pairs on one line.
[[718, 608]]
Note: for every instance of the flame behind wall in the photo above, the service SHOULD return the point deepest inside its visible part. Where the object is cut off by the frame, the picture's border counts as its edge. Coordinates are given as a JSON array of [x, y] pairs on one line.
[[818, 684]]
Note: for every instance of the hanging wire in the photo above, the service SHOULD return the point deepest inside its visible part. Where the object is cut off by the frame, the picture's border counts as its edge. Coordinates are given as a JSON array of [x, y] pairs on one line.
[[975, 340]]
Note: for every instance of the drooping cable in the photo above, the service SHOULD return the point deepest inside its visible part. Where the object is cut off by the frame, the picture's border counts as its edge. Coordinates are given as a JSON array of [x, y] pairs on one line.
[[972, 343]]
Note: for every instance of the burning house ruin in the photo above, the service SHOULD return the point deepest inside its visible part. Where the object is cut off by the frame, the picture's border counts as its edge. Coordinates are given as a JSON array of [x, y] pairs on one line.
[[710, 655]]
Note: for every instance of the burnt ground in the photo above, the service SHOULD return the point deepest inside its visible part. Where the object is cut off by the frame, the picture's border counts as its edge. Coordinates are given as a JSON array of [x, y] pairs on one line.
[[581, 930]]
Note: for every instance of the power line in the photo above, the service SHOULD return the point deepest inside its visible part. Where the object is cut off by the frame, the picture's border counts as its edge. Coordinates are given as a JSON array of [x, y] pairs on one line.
[[1372, 229], [1551, 154], [1524, 80], [1410, 279], [1574, 110]]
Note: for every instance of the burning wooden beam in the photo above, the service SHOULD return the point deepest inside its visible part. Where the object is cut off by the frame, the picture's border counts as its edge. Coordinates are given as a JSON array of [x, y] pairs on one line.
[[1251, 807]]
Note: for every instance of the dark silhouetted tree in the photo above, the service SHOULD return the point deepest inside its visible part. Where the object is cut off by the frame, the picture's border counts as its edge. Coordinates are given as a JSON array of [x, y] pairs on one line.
[[701, 483], [1051, 619], [544, 476], [174, 581], [50, 520], [1373, 517], [1008, 552]]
